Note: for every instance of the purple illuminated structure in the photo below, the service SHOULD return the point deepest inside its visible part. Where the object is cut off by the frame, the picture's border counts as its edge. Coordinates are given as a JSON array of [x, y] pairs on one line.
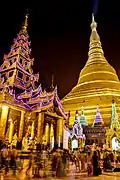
[[98, 118], [17, 78], [97, 133], [21, 92]]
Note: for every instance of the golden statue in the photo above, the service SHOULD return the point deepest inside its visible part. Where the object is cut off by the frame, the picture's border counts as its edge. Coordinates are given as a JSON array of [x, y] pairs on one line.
[[25, 143]]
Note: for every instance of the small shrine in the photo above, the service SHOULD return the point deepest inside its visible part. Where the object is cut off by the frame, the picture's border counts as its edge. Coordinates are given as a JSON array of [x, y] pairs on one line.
[[76, 137], [113, 132], [96, 133]]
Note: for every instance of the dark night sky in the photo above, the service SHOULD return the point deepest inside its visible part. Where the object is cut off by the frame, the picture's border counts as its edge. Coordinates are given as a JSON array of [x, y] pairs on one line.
[[60, 36]]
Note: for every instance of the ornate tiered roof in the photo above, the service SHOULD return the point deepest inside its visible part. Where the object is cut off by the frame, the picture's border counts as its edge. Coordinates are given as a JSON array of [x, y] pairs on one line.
[[19, 86], [16, 70]]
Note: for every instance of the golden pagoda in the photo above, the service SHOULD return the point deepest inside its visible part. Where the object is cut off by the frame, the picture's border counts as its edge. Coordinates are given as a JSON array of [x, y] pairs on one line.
[[98, 83]]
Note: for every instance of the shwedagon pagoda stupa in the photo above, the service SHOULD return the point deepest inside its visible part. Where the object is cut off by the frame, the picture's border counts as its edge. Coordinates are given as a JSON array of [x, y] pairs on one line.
[[98, 83]]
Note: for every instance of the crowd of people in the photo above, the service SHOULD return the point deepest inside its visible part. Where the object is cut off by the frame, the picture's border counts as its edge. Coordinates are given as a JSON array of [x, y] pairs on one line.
[[58, 162]]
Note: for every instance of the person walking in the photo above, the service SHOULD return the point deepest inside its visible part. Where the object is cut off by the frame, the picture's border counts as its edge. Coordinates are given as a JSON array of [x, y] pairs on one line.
[[96, 168]]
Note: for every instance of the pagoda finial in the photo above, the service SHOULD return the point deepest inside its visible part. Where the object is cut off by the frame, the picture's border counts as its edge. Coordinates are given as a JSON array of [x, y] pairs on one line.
[[95, 53], [93, 24], [52, 83], [77, 119], [83, 120], [97, 108], [93, 18], [25, 25], [26, 22], [82, 110]]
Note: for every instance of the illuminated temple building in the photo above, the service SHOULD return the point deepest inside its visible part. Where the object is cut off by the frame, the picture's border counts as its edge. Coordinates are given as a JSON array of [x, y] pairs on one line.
[[97, 132], [25, 109], [98, 83], [76, 137]]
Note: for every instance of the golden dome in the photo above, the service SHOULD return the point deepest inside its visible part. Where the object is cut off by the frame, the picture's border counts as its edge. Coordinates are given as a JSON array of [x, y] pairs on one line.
[[97, 79]]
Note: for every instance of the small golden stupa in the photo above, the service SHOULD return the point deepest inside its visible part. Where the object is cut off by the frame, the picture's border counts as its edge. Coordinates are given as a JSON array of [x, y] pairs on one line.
[[98, 83]]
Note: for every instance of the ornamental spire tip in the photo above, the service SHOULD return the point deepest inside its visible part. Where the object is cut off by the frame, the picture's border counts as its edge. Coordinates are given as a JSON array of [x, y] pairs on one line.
[[93, 18], [25, 25], [93, 24]]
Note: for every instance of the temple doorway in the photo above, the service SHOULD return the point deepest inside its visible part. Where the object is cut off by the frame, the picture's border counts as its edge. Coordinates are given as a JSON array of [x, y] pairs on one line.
[[74, 144], [115, 143]]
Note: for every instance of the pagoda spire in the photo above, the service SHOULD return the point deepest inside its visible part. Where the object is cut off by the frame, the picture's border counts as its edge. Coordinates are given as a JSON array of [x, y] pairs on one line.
[[82, 118], [96, 64], [98, 118], [95, 49]]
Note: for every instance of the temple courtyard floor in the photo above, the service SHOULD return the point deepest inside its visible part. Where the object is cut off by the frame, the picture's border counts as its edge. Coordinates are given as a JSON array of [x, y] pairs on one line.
[[70, 176]]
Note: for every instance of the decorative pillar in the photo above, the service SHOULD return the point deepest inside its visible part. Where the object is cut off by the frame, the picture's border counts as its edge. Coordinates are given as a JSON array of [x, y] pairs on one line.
[[11, 130], [3, 120], [59, 135], [32, 129], [40, 127], [110, 143], [108, 132], [51, 137], [21, 124], [47, 133]]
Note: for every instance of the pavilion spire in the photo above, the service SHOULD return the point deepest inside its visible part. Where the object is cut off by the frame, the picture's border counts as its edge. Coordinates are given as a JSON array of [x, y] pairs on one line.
[[25, 25], [98, 118], [114, 119], [82, 117], [52, 83], [26, 22], [19, 61]]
